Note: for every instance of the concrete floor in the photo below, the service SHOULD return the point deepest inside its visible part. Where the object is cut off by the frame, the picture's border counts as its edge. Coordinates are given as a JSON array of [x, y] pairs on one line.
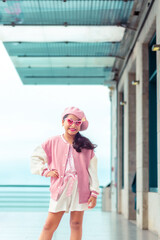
[[97, 225]]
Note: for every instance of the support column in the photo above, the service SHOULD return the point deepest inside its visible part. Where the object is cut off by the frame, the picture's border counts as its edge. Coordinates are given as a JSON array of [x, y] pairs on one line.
[[129, 147], [119, 153], [142, 138], [113, 97], [131, 113]]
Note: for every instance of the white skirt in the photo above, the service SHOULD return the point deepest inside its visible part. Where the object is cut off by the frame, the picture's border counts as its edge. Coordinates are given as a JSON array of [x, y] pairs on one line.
[[68, 203]]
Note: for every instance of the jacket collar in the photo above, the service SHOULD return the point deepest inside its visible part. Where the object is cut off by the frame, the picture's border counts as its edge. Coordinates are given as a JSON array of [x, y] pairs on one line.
[[63, 138]]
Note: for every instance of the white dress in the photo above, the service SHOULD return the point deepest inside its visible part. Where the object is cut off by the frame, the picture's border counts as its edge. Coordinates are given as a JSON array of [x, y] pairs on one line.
[[68, 203]]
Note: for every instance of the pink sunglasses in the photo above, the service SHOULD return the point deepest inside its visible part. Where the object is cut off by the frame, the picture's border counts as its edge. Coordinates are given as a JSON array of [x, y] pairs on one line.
[[77, 122]]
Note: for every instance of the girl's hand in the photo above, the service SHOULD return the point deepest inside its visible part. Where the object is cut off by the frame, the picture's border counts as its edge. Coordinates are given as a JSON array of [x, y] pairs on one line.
[[92, 202], [53, 173]]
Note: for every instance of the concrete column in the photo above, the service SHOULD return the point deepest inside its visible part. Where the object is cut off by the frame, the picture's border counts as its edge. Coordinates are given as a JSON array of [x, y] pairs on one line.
[[113, 95], [142, 138], [125, 197], [119, 153], [129, 147], [131, 141]]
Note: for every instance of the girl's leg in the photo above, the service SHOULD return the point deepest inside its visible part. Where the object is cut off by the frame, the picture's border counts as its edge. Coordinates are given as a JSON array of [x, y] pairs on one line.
[[51, 225], [76, 220]]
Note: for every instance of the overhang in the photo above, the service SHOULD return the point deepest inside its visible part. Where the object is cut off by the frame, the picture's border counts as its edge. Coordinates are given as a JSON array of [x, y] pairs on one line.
[[64, 42]]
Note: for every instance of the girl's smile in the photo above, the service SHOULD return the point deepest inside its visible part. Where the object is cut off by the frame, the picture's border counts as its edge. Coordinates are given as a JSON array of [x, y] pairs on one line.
[[72, 129]]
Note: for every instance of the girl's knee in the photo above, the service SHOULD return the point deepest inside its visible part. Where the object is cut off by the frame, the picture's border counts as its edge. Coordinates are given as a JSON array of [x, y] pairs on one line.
[[76, 225], [50, 226]]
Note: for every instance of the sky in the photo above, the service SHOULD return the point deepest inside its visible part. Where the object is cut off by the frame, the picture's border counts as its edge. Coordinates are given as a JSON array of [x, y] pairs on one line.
[[30, 114]]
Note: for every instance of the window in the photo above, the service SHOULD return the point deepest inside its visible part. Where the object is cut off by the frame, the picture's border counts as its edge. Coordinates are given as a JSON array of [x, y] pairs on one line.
[[153, 170]]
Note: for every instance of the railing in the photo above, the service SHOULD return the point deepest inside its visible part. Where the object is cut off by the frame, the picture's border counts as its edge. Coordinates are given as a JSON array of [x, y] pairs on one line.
[[28, 198]]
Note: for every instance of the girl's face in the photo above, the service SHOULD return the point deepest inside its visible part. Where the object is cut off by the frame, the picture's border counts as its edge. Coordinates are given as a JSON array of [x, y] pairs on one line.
[[70, 127]]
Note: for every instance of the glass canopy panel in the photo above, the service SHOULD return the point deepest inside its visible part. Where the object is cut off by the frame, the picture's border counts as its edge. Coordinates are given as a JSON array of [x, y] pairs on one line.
[[65, 75], [69, 12], [66, 81], [44, 49], [62, 72], [61, 33], [63, 61]]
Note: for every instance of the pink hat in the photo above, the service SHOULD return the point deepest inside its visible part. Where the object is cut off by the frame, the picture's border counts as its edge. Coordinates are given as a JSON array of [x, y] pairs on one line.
[[78, 113]]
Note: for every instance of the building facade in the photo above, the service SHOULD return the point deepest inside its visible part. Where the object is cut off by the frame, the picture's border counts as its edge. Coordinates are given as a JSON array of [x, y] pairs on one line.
[[136, 141]]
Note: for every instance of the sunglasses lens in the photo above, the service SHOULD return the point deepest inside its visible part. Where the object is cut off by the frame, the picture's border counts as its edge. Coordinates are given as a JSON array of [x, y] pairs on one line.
[[78, 123], [70, 121]]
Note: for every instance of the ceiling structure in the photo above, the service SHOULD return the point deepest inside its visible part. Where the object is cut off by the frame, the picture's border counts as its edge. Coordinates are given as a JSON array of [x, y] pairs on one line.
[[67, 41]]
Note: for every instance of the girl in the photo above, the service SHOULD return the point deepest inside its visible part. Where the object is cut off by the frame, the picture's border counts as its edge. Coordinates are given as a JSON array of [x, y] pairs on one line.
[[72, 168]]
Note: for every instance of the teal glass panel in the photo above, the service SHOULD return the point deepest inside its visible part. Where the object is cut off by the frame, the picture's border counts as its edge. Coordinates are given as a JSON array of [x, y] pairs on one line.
[[153, 162], [70, 72], [56, 49], [64, 75], [69, 12], [62, 81], [153, 190], [61, 75]]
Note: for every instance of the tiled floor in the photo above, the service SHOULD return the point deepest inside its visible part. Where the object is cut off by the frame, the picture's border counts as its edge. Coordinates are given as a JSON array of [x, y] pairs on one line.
[[97, 225]]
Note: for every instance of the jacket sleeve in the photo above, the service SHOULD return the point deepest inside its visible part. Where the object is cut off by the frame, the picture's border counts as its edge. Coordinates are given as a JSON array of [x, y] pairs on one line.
[[39, 161], [93, 177]]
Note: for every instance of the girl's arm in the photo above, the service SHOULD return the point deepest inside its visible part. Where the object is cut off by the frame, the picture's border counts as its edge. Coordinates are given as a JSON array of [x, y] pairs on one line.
[[38, 162], [93, 177]]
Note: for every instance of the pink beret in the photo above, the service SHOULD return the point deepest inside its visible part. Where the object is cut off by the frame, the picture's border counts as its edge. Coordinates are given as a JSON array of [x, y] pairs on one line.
[[78, 113]]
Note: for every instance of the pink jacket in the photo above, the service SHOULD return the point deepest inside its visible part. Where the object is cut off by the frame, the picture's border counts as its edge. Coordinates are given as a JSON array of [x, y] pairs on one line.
[[57, 151]]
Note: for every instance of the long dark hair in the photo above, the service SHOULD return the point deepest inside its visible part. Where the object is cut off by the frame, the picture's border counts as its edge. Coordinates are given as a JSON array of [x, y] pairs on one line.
[[81, 142]]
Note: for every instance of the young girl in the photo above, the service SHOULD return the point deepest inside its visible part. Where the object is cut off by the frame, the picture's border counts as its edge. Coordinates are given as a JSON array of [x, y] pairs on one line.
[[72, 168]]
